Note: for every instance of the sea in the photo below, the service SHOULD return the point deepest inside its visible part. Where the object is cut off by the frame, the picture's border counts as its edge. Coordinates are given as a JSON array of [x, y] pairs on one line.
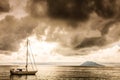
[[47, 72]]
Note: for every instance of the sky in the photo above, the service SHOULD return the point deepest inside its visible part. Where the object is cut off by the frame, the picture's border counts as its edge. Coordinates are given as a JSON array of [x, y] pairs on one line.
[[60, 30]]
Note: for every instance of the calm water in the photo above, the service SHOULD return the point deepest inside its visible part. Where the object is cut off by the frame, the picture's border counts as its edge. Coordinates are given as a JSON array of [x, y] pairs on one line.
[[65, 73]]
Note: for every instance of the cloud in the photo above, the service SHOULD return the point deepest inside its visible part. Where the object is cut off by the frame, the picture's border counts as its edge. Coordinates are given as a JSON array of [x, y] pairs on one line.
[[70, 9], [72, 23], [13, 31], [4, 6], [94, 41], [37, 8], [81, 9], [106, 8]]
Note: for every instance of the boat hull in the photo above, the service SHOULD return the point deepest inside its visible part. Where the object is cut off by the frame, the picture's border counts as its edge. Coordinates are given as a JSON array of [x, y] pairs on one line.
[[23, 72]]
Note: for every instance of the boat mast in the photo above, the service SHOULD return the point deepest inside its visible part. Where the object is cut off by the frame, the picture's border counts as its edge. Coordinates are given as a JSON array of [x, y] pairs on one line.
[[27, 56]]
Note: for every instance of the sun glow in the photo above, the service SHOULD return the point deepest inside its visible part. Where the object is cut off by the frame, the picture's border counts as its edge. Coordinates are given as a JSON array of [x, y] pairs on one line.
[[39, 47], [42, 50]]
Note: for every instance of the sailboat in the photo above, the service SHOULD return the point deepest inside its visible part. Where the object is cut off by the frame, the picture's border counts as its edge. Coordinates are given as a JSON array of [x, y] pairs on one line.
[[25, 71]]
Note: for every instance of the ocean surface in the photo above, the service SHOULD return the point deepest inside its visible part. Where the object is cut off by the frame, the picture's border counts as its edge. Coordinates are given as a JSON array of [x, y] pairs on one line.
[[64, 73]]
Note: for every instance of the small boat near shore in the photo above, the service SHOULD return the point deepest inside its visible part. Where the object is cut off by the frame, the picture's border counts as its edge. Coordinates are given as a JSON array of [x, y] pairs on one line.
[[22, 72]]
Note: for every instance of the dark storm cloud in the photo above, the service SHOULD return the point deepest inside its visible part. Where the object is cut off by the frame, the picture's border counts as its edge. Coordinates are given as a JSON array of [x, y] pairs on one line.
[[81, 9], [81, 17], [74, 9], [4, 6], [106, 8], [94, 41], [13, 31], [66, 9], [70, 9]]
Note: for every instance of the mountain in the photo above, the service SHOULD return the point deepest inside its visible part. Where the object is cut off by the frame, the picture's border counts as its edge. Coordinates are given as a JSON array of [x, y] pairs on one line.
[[90, 63]]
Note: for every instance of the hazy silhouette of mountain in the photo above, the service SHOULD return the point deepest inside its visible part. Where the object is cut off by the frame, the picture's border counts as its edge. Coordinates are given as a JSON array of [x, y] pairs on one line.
[[90, 63]]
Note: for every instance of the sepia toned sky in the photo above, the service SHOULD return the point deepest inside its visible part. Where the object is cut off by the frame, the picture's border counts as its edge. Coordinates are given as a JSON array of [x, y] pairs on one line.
[[61, 30]]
